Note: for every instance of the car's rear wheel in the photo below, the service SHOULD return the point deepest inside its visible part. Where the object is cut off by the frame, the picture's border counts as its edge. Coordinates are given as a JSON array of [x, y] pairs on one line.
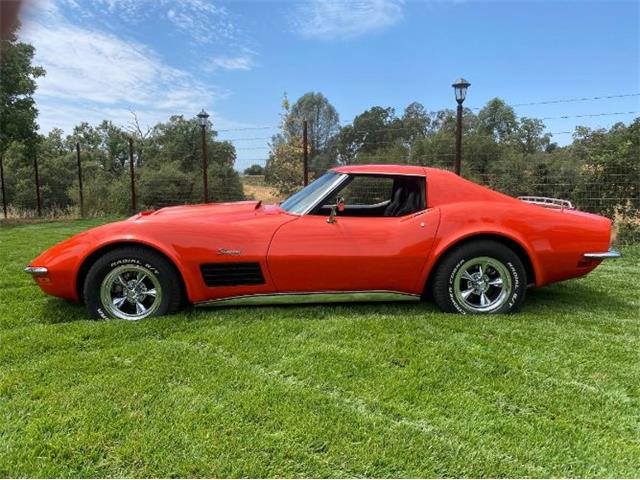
[[132, 284], [478, 278]]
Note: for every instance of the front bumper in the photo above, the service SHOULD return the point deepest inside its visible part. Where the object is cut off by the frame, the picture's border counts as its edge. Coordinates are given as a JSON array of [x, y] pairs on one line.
[[603, 255]]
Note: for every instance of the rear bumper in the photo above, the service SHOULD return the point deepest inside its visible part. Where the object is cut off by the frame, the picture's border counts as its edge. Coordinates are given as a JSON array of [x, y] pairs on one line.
[[37, 271], [602, 255]]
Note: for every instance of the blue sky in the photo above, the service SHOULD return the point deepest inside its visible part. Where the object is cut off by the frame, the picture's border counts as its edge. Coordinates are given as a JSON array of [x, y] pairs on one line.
[[107, 58]]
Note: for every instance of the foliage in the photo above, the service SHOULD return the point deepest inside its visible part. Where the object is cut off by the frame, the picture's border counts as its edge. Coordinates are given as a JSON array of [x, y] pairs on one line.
[[498, 120], [322, 123], [254, 169], [362, 390], [168, 162], [284, 167], [599, 171], [611, 161], [17, 86]]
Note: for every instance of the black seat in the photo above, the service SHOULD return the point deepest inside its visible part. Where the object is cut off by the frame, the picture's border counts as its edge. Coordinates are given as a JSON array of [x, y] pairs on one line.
[[410, 205], [396, 204]]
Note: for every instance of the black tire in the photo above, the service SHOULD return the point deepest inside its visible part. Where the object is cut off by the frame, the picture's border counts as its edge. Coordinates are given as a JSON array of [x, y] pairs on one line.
[[504, 278], [155, 270]]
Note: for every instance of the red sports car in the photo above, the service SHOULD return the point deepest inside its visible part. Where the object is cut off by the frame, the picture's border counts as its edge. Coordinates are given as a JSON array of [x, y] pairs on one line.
[[357, 233]]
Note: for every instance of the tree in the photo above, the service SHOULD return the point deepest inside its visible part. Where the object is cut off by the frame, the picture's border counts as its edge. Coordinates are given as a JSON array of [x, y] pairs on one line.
[[284, 166], [17, 85], [178, 142], [375, 129], [254, 169], [610, 161], [530, 136], [415, 121], [498, 120], [323, 125]]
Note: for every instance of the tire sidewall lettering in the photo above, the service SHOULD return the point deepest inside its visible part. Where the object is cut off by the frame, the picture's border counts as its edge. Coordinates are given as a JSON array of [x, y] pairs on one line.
[[515, 281], [452, 296], [129, 261]]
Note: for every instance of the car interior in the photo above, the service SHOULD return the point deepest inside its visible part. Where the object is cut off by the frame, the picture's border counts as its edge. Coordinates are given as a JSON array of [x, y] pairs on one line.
[[376, 196]]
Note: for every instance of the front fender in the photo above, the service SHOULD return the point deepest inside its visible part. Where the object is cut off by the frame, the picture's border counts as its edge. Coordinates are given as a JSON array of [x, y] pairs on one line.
[[65, 260]]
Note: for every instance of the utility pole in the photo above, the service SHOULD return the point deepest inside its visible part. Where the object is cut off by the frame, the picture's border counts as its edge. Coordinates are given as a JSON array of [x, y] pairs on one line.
[[305, 149], [132, 172], [4, 194], [80, 179], [37, 178]]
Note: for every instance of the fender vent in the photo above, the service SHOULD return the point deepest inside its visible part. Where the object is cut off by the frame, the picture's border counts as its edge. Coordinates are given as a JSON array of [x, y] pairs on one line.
[[231, 274]]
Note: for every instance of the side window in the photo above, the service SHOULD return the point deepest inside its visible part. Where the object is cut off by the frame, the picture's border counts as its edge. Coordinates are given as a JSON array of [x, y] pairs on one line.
[[367, 190], [377, 196]]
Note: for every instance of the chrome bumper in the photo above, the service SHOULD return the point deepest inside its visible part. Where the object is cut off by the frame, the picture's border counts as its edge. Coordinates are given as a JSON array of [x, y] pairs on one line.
[[36, 271], [602, 255]]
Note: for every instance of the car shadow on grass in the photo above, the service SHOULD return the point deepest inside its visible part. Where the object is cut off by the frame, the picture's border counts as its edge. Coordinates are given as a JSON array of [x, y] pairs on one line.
[[574, 297], [56, 310], [571, 297]]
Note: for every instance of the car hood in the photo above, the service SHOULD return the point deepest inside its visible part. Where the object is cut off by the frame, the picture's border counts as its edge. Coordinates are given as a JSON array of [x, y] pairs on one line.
[[207, 211]]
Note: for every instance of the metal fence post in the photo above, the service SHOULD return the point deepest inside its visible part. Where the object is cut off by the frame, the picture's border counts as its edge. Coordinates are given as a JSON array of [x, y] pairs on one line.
[[80, 179], [37, 178], [305, 149], [133, 177], [4, 194]]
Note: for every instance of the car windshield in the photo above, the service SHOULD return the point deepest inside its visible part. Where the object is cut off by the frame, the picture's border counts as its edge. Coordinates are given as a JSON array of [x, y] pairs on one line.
[[309, 195]]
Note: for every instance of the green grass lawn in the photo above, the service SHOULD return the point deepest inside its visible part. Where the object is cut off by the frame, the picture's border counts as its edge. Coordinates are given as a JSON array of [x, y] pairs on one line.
[[342, 391]]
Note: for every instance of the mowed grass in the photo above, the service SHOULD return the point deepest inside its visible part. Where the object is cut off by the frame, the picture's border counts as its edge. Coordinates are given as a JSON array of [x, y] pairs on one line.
[[383, 390]]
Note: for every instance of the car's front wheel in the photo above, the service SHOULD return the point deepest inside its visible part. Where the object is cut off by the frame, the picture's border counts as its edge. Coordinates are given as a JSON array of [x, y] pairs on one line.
[[132, 284], [478, 278]]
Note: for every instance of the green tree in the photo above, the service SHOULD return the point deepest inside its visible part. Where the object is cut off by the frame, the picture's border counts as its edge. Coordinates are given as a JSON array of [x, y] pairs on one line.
[[284, 166], [17, 85], [498, 120], [254, 169], [323, 125], [375, 129], [529, 135], [179, 142], [415, 121], [609, 160]]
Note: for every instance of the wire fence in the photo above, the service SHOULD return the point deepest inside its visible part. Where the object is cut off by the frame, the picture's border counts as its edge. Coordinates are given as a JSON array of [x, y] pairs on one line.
[[76, 184], [140, 187]]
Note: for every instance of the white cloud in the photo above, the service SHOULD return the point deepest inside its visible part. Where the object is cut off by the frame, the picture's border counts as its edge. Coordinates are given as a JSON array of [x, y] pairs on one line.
[[89, 65], [107, 74], [240, 62], [200, 20], [93, 75], [331, 19]]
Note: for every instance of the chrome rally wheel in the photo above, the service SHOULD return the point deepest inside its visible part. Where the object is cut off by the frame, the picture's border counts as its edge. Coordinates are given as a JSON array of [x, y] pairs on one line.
[[479, 277], [132, 283], [482, 284], [131, 292]]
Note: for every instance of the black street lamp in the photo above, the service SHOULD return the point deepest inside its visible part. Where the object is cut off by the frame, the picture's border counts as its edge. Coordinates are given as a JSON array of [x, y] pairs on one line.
[[202, 118], [460, 87]]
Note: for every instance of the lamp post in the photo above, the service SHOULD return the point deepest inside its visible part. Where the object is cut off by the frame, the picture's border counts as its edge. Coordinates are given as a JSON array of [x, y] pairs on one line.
[[460, 87], [202, 118]]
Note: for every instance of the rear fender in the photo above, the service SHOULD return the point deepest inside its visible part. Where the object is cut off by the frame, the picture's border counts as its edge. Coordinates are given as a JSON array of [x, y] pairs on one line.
[[457, 226]]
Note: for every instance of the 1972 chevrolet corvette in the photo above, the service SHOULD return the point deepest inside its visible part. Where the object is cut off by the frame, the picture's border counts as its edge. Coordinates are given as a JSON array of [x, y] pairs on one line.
[[357, 233]]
